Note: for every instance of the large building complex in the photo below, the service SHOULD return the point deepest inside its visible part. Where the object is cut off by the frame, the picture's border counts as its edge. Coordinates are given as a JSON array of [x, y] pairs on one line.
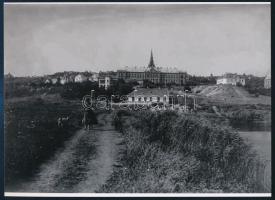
[[152, 74]]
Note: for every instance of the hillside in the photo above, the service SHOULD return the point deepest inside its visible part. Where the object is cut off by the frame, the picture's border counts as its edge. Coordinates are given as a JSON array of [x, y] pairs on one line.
[[230, 94]]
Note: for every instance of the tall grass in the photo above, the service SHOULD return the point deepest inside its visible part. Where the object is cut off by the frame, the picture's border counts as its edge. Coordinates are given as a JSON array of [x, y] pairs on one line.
[[167, 152], [32, 134]]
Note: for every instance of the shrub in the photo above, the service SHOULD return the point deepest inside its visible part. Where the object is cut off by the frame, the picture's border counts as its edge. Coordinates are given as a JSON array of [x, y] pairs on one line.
[[166, 152]]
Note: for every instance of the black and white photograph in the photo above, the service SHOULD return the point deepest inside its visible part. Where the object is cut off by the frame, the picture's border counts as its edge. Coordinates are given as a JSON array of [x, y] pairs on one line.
[[137, 99]]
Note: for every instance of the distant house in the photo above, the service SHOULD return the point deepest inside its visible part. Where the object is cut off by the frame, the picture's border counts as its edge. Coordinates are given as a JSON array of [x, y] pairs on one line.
[[267, 81], [63, 80], [231, 79], [149, 95], [67, 79], [48, 80], [94, 77], [80, 78], [8, 76], [106, 79], [104, 82], [54, 80]]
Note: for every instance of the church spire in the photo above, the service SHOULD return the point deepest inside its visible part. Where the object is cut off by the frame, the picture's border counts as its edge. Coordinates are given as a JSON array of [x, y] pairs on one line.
[[151, 64]]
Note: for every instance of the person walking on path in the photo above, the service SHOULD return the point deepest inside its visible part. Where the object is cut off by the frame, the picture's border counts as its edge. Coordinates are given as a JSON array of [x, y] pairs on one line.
[[89, 119]]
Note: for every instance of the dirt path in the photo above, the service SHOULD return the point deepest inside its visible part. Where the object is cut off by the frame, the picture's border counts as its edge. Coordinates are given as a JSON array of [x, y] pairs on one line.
[[241, 93], [83, 165]]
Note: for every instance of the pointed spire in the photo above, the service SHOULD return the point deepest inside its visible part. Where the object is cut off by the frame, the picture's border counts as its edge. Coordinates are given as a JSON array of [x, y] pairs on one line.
[[151, 64]]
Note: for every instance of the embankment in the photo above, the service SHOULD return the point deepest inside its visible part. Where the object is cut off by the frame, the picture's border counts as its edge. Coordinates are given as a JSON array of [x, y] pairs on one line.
[[167, 152]]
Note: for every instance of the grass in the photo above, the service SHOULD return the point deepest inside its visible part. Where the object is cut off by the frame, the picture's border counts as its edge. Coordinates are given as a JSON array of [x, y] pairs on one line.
[[167, 152], [245, 115], [32, 135]]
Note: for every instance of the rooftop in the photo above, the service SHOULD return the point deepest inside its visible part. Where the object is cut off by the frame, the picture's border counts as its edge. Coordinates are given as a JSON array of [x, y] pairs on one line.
[[143, 69], [150, 92]]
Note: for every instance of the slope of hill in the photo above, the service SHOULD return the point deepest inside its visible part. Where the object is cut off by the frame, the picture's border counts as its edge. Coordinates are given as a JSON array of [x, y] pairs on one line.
[[230, 94]]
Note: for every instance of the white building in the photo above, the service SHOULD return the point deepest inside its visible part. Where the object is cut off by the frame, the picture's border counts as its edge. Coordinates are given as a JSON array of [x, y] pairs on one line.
[[54, 80], [80, 78], [48, 81], [104, 82], [267, 81], [94, 77], [63, 80], [149, 95], [231, 79], [67, 79]]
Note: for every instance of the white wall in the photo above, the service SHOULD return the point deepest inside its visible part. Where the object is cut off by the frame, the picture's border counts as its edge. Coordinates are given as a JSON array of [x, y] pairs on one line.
[[154, 98]]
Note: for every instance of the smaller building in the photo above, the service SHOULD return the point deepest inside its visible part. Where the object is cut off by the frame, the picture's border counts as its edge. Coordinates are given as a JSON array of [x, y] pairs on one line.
[[231, 79], [48, 81], [8, 76], [63, 80], [267, 81], [54, 80], [67, 79], [104, 82], [93, 77], [149, 95], [106, 79], [80, 78]]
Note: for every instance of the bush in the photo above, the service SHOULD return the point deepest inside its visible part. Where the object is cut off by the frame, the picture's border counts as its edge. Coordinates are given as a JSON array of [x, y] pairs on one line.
[[166, 152]]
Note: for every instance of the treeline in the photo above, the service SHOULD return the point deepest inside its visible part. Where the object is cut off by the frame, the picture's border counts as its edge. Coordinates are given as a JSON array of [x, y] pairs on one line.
[[22, 87], [255, 85], [167, 152], [79, 90], [201, 80]]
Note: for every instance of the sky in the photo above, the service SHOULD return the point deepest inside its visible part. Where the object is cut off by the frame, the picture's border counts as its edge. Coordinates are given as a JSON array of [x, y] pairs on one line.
[[199, 39]]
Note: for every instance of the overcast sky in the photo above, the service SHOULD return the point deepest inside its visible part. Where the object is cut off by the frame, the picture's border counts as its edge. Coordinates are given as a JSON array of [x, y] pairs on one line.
[[199, 39]]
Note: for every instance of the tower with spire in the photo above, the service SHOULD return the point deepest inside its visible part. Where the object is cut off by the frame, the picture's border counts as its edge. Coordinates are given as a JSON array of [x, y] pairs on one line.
[[151, 64]]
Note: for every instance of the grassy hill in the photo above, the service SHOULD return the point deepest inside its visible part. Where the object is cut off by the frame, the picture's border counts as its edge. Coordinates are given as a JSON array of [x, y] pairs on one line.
[[230, 94]]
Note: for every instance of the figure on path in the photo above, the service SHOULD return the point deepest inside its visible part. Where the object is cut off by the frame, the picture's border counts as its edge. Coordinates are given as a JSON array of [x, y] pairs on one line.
[[89, 118]]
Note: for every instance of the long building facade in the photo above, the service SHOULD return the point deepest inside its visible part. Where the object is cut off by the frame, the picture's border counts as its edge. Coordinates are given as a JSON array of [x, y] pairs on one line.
[[152, 74]]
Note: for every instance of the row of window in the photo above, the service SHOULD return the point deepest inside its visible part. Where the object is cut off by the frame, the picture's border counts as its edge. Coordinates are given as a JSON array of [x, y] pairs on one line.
[[150, 99], [153, 75]]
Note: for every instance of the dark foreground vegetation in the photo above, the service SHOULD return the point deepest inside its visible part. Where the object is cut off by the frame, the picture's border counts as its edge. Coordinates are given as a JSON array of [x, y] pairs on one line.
[[167, 152], [32, 134]]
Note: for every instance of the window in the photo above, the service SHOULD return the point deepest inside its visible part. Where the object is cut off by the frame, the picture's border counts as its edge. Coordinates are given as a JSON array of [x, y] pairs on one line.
[[145, 99], [151, 98], [158, 99], [139, 99], [133, 98], [164, 99]]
